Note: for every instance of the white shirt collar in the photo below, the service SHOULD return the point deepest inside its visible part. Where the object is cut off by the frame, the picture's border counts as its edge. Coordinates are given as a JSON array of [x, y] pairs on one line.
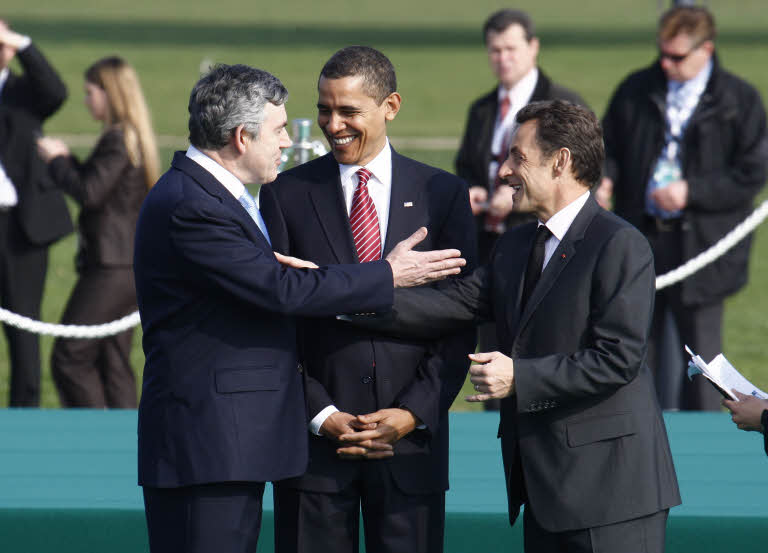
[[522, 91], [561, 221], [227, 179], [380, 167]]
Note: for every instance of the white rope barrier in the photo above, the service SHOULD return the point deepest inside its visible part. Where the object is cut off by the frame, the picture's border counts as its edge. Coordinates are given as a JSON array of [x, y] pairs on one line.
[[70, 331], [723, 245], [115, 327]]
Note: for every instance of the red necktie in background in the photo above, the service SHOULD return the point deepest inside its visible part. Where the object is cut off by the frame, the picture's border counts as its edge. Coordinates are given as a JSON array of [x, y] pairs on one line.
[[364, 220], [492, 222]]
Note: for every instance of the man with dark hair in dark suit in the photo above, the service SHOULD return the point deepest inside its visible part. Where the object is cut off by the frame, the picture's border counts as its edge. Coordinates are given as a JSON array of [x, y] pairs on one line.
[[33, 213], [583, 441], [513, 48], [353, 205], [222, 407]]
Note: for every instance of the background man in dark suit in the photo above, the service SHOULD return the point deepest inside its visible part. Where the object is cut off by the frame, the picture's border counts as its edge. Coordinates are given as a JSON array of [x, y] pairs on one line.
[[513, 48], [399, 390], [33, 213], [222, 409], [687, 152], [583, 441]]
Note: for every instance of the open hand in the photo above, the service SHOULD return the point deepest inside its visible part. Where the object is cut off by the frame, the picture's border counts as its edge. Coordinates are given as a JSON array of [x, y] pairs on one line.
[[412, 268]]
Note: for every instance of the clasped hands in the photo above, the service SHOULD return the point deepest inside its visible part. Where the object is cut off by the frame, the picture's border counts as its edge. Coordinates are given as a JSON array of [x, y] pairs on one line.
[[370, 436]]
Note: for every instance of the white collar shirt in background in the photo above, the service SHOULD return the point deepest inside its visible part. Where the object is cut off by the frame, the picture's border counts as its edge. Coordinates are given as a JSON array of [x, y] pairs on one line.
[[8, 196], [559, 224]]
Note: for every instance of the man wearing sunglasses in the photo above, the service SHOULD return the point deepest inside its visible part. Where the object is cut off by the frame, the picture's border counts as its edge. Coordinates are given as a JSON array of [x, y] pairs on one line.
[[686, 154]]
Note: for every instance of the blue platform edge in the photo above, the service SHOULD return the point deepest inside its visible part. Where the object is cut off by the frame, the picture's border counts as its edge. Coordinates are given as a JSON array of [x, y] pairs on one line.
[[87, 459]]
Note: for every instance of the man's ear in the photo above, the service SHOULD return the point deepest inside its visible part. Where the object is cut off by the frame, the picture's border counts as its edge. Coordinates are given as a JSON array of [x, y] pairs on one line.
[[240, 139], [560, 162], [392, 104]]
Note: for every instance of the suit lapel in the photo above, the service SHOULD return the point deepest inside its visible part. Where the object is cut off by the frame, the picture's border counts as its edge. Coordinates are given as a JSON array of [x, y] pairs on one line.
[[405, 199], [328, 201], [563, 254], [209, 183], [516, 270]]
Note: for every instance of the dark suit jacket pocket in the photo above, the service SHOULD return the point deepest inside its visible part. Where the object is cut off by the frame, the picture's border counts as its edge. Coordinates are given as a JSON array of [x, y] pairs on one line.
[[247, 380], [599, 429]]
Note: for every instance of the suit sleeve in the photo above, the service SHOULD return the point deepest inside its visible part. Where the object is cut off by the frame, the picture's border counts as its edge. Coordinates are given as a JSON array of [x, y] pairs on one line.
[[445, 366], [466, 161], [92, 182], [216, 252], [739, 182], [623, 288], [40, 85]]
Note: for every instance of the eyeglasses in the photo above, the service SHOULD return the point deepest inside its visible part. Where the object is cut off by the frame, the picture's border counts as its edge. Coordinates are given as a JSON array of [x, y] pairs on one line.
[[677, 58]]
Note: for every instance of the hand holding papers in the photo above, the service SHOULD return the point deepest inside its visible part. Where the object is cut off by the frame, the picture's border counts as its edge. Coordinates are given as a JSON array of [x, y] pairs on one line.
[[723, 376]]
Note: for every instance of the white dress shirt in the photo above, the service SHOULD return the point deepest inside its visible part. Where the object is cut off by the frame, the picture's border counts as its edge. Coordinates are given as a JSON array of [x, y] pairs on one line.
[[519, 97], [559, 224], [227, 179], [8, 196], [379, 189]]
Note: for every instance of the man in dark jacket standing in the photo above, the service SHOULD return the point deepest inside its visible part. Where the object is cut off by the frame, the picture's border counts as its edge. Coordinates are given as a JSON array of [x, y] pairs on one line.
[[33, 213], [686, 151], [512, 46]]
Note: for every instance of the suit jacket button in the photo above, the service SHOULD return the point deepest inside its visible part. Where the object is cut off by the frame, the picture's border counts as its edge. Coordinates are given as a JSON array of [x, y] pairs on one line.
[[366, 379]]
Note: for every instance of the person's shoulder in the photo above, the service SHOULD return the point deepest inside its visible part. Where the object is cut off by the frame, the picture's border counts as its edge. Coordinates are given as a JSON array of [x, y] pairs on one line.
[[426, 173], [484, 100], [730, 82], [307, 174], [640, 81], [608, 226]]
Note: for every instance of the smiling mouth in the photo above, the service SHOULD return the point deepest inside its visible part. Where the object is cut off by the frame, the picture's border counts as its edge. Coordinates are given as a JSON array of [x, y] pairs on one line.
[[342, 140]]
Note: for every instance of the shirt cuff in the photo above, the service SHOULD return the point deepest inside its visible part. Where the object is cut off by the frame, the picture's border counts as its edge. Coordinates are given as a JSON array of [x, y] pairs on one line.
[[319, 419]]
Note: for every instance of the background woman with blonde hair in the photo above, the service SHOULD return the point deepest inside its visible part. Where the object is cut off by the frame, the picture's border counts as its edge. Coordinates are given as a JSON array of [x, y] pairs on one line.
[[109, 186]]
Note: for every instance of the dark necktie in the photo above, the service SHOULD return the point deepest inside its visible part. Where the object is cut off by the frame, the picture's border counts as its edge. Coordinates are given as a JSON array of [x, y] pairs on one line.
[[364, 220], [535, 264]]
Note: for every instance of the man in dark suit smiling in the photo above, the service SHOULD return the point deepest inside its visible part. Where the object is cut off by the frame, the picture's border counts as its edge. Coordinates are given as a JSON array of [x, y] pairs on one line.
[[583, 441], [222, 409], [354, 205]]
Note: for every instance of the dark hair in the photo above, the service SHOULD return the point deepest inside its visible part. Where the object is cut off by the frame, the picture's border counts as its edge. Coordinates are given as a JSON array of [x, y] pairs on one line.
[[562, 124], [695, 21], [229, 96], [379, 80], [499, 21]]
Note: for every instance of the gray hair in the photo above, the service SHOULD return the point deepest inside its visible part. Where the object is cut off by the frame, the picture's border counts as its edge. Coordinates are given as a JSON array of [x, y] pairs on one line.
[[229, 96]]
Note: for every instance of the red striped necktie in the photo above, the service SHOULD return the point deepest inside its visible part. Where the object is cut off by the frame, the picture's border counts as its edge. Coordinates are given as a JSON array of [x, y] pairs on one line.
[[364, 221]]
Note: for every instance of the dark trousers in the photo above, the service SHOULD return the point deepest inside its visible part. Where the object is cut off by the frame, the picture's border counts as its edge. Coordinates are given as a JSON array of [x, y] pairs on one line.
[[393, 522], [22, 277], [640, 535], [221, 518], [97, 372], [699, 326]]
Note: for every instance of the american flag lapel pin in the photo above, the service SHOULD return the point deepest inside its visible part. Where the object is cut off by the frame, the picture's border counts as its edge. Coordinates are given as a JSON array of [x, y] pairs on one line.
[[407, 204]]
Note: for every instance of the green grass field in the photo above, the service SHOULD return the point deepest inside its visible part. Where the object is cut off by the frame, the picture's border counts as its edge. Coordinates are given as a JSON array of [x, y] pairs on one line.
[[437, 50]]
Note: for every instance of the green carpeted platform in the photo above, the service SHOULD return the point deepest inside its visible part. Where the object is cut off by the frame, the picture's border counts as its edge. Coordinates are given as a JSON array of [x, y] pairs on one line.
[[68, 485]]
